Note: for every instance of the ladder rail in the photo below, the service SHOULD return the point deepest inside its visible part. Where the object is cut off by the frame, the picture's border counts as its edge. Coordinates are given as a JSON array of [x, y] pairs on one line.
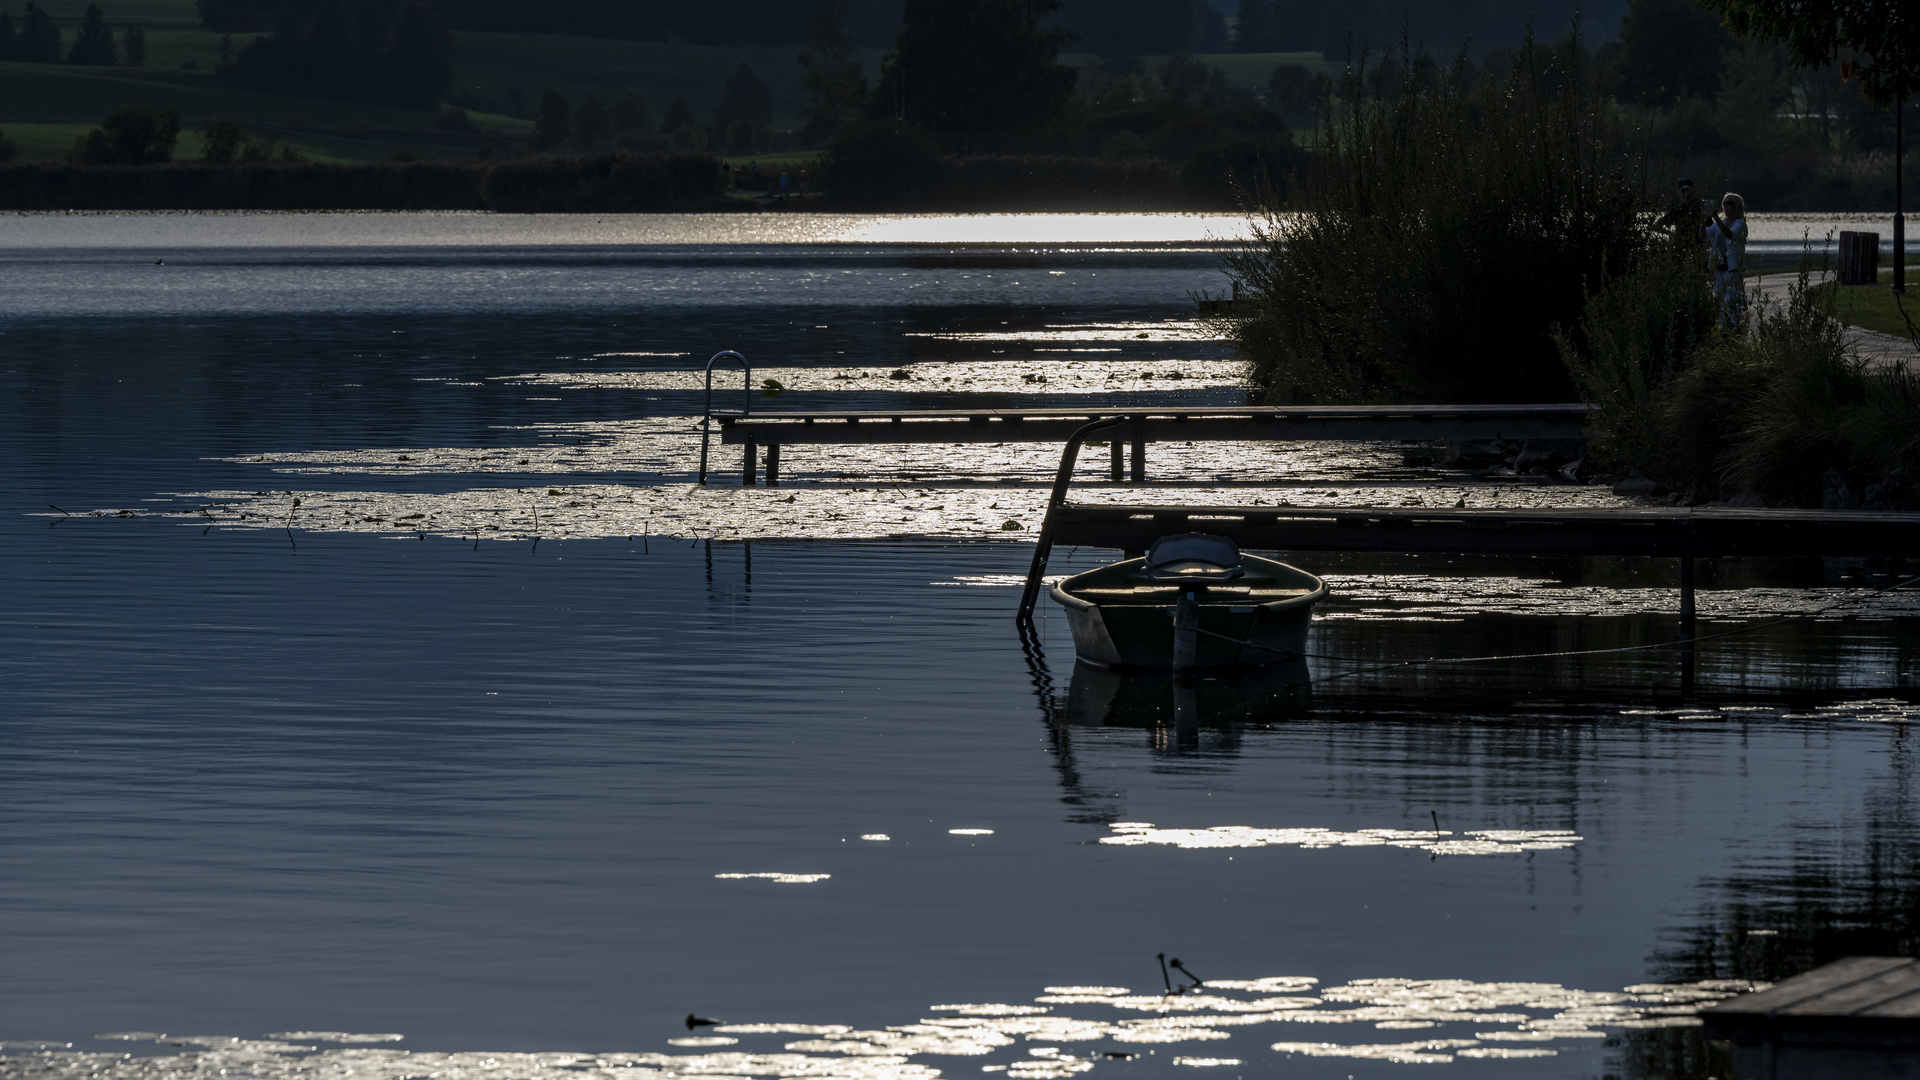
[[707, 414]]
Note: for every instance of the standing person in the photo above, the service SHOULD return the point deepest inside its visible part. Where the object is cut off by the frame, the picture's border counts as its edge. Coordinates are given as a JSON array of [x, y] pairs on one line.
[[1726, 237], [1684, 217], [784, 184]]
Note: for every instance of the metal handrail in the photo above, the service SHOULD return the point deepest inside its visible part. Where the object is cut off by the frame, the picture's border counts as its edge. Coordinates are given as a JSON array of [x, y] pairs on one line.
[[1061, 481], [707, 414]]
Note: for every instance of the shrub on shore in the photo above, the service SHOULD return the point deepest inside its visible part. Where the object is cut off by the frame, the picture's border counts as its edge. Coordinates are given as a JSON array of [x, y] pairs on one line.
[[1439, 232], [1777, 413]]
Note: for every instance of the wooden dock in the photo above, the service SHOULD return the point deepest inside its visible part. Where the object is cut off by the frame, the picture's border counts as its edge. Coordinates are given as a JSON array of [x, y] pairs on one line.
[[1249, 423], [1653, 531], [1853, 1019]]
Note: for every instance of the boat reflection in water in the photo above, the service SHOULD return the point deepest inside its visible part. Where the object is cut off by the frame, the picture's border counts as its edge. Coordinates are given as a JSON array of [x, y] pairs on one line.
[[1104, 697]]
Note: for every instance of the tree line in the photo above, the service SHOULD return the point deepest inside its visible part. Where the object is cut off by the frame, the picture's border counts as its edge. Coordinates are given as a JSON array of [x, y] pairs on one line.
[[35, 39], [398, 55]]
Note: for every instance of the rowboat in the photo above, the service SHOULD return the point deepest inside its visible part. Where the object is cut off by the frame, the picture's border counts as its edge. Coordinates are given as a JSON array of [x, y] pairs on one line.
[[1193, 601]]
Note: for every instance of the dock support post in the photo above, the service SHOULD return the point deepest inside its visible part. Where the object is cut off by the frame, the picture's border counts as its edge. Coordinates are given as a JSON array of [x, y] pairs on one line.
[[747, 465], [1139, 450], [773, 464], [1116, 469]]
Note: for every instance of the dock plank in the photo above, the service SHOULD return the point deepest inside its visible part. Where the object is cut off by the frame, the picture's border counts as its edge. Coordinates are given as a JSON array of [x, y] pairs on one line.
[[1658, 531], [1206, 423]]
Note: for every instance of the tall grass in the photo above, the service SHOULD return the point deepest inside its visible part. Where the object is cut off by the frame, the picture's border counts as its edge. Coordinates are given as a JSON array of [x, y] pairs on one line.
[[1766, 413], [1442, 228]]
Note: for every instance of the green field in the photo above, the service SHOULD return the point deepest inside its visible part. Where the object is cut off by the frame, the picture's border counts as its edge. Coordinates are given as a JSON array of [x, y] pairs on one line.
[[37, 99]]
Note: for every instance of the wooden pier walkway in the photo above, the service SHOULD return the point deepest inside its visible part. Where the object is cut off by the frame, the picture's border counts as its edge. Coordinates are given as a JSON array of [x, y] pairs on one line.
[[1682, 533], [1853, 1019], [1654, 531], [1248, 423]]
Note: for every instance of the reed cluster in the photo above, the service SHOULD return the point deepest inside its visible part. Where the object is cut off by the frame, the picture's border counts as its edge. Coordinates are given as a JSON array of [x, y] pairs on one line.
[[1443, 226]]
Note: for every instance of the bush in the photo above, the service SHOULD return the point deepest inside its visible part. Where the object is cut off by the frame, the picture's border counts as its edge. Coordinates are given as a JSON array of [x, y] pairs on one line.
[[883, 163], [1439, 233], [8, 149], [1712, 415], [1634, 338], [138, 136]]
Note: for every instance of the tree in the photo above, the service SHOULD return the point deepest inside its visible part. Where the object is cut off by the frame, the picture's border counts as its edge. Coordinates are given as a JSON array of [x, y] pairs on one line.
[[133, 46], [591, 124], [836, 85], [1253, 26], [745, 98], [1295, 89], [94, 44], [403, 59], [975, 66], [40, 40], [679, 115], [137, 136], [554, 123], [7, 36], [419, 63], [1667, 50], [631, 115], [1886, 33]]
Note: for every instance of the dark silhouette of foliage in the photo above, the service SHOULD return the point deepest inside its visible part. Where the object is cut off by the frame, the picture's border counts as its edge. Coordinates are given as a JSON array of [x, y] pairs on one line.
[[1433, 245], [1667, 50], [591, 124], [679, 116], [603, 183], [1254, 29], [403, 60], [40, 40], [7, 36], [631, 115], [1297, 91], [745, 113], [8, 150], [836, 85], [554, 123], [94, 44], [976, 66], [133, 46], [883, 163], [1875, 42], [136, 136]]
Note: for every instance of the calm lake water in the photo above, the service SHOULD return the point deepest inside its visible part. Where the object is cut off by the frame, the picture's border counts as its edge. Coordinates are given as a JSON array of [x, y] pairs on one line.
[[473, 742]]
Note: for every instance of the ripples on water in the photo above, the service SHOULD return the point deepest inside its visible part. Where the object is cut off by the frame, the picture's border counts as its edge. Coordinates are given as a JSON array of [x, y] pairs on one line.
[[440, 750]]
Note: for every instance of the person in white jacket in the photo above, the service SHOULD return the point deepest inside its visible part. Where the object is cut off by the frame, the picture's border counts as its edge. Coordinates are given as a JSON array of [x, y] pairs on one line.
[[1726, 237]]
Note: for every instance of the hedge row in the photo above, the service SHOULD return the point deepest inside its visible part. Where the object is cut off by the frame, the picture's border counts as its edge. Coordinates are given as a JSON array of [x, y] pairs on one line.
[[605, 183]]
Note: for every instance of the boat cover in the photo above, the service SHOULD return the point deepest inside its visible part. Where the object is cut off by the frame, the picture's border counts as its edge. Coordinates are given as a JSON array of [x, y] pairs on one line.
[[1197, 557]]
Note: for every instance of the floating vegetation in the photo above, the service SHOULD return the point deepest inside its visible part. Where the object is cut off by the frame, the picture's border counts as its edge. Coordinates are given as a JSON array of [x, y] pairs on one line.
[[783, 879], [1488, 1020], [1478, 842], [998, 376]]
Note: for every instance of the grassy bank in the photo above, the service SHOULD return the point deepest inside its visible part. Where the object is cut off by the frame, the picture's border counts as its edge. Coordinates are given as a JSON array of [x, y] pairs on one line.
[[1875, 307]]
